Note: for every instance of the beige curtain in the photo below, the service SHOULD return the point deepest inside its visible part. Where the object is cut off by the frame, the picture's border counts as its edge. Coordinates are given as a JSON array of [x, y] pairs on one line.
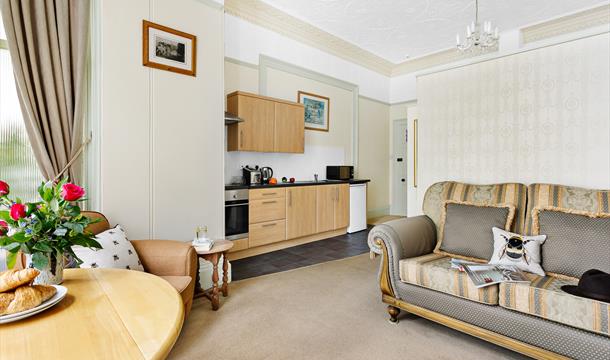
[[48, 43]]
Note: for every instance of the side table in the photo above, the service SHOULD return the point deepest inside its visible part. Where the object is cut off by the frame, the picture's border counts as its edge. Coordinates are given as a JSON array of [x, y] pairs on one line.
[[220, 248]]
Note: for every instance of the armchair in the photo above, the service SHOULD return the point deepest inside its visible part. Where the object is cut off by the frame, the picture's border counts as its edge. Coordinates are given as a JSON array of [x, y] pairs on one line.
[[174, 261]]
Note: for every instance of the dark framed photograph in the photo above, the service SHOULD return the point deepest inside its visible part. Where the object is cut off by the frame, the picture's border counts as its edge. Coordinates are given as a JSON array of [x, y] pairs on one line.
[[317, 111], [168, 49]]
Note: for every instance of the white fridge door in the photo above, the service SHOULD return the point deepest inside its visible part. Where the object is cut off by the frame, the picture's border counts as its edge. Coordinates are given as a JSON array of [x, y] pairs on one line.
[[357, 208]]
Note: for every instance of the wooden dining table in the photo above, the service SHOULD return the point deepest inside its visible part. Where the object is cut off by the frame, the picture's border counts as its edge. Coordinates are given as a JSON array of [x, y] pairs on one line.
[[107, 314]]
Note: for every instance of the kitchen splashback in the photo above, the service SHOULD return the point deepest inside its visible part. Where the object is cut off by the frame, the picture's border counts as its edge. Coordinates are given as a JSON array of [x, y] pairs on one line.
[[300, 166]]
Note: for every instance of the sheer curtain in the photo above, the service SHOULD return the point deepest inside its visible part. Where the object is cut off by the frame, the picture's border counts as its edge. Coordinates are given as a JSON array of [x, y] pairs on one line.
[[17, 162]]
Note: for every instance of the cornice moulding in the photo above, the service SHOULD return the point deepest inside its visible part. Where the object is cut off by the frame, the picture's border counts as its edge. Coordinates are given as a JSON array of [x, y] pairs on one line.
[[264, 15], [566, 24]]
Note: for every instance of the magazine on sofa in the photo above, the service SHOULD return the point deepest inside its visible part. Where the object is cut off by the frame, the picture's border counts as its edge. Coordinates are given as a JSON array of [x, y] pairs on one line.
[[486, 274]]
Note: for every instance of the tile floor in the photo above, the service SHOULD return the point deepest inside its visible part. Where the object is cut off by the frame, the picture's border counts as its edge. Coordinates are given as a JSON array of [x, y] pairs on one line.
[[335, 248]]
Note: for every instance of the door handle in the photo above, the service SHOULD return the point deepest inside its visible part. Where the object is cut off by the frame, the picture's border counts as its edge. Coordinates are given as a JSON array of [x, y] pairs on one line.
[[269, 202], [269, 225], [289, 198], [269, 194], [241, 138], [403, 180]]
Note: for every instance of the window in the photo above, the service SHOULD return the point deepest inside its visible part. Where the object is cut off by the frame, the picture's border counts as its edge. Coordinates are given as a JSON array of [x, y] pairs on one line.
[[18, 166]]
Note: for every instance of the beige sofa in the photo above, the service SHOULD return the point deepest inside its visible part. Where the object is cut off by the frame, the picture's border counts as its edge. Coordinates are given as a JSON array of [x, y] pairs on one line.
[[536, 319]]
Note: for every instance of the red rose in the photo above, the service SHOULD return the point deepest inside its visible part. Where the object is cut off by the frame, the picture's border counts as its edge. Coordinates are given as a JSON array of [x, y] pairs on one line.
[[3, 228], [71, 192], [4, 188], [17, 211]]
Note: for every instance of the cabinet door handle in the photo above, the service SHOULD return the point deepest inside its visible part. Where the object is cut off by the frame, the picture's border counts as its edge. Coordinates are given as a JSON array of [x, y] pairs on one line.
[[289, 198], [269, 225], [337, 192], [269, 194], [269, 202], [241, 138]]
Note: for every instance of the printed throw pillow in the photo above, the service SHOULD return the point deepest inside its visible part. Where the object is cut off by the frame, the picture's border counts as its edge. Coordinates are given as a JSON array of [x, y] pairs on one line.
[[520, 251], [116, 252]]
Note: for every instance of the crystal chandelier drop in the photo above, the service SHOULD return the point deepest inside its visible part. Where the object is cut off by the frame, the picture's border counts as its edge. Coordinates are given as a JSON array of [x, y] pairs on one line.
[[478, 39]]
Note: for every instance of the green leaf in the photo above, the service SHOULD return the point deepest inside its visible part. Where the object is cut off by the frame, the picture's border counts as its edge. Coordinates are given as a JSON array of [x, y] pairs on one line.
[[11, 259], [20, 236], [41, 246], [5, 215], [12, 246], [40, 260]]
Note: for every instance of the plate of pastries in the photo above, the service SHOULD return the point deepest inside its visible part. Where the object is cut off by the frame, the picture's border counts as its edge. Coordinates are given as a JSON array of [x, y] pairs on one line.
[[20, 299]]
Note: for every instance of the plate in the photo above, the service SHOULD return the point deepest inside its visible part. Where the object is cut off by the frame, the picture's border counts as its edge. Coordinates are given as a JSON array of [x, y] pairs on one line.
[[59, 295]]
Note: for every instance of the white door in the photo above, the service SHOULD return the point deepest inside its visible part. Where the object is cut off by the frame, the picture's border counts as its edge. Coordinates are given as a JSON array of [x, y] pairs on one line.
[[399, 167]]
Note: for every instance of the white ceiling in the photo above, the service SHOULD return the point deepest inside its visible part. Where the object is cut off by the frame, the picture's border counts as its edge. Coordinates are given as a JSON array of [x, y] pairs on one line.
[[395, 29]]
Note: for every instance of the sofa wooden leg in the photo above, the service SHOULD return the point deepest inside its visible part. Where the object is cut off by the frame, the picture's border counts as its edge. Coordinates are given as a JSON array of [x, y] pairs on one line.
[[393, 311]]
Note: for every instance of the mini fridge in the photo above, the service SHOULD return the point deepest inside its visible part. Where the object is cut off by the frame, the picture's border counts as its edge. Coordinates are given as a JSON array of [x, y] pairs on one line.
[[357, 208]]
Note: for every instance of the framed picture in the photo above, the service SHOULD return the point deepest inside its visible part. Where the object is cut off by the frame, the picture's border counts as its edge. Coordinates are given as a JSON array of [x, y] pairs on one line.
[[168, 49], [317, 111]]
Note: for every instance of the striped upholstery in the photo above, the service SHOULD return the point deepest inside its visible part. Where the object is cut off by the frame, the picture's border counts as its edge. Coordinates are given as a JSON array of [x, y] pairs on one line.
[[434, 271], [509, 193], [566, 197], [543, 297]]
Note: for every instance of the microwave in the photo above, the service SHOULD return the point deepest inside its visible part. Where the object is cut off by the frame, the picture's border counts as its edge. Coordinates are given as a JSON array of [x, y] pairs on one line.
[[339, 172]]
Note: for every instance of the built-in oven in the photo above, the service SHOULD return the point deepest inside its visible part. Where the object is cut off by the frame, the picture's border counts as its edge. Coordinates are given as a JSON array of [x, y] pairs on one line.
[[236, 214]]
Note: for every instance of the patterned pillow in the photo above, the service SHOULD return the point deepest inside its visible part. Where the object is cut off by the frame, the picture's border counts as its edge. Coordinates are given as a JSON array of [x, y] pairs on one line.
[[466, 229], [116, 252], [577, 241], [517, 250]]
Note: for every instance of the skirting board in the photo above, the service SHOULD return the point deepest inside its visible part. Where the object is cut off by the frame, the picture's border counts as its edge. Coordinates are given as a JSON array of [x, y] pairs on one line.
[[284, 244]]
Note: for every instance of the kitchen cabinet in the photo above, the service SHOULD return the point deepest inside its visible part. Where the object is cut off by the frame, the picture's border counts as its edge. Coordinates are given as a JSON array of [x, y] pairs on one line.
[[300, 211], [269, 125], [289, 128], [341, 213], [332, 207], [267, 232]]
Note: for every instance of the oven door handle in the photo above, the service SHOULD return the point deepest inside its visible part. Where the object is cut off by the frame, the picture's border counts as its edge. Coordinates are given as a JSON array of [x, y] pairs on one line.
[[233, 205]]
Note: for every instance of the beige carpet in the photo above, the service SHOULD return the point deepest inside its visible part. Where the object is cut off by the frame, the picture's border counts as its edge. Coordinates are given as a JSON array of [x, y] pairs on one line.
[[326, 311]]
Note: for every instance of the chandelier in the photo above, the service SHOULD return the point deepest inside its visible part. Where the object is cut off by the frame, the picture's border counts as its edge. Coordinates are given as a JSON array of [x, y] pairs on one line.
[[478, 39]]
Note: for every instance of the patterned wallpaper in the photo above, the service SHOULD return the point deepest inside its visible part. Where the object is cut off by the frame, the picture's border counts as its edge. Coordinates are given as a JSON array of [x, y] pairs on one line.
[[536, 116]]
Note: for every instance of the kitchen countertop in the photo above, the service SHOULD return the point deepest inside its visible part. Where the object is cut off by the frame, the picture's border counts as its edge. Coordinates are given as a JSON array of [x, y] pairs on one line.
[[298, 183]]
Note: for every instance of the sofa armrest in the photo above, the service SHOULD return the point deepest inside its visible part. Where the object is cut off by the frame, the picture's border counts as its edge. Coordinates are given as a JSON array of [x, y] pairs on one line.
[[400, 239], [167, 257], [408, 237]]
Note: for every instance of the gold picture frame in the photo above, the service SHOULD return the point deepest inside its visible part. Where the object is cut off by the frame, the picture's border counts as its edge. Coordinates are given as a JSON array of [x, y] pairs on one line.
[[317, 111], [168, 49]]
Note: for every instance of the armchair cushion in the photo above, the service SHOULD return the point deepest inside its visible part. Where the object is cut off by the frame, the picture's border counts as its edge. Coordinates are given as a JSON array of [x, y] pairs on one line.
[[167, 257], [116, 252]]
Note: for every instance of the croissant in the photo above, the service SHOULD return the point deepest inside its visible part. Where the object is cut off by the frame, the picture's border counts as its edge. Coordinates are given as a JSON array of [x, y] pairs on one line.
[[25, 297], [12, 279]]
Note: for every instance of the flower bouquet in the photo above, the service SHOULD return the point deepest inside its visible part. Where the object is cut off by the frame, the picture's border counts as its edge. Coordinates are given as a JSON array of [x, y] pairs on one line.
[[46, 230]]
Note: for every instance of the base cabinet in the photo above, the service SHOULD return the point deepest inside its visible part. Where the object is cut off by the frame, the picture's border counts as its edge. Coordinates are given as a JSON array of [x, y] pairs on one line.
[[294, 213], [300, 211]]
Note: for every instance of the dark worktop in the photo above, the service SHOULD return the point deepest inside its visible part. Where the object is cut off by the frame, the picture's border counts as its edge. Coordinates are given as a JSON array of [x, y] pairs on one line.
[[298, 183]]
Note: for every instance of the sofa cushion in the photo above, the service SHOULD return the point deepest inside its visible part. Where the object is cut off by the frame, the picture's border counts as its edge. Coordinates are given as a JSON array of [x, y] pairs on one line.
[[434, 271], [543, 297], [510, 193], [565, 197], [116, 252], [577, 241], [518, 250], [466, 229]]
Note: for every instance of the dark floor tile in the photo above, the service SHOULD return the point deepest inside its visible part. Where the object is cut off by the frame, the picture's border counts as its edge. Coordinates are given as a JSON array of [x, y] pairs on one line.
[[335, 248]]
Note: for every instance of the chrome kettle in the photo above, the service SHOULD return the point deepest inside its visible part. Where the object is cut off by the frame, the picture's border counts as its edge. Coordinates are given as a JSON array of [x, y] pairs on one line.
[[266, 174]]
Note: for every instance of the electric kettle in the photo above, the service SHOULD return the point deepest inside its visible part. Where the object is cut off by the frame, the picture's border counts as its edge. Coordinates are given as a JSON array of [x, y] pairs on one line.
[[266, 174]]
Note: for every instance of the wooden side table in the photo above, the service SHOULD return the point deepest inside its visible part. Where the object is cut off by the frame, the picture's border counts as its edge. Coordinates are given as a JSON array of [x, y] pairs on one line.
[[220, 248]]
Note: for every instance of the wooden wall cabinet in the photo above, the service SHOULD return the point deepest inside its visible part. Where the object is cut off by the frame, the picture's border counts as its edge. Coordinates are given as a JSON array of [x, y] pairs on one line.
[[270, 125], [332, 207], [300, 211]]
